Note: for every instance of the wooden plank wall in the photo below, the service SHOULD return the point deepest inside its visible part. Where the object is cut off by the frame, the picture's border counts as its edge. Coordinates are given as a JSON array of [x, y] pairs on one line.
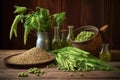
[[78, 13]]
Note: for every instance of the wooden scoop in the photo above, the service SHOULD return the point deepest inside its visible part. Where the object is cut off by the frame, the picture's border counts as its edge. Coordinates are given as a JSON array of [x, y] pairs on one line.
[[103, 34], [103, 28]]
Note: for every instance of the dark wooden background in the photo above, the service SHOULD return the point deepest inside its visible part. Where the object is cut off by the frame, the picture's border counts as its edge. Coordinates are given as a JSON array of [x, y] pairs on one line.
[[78, 13]]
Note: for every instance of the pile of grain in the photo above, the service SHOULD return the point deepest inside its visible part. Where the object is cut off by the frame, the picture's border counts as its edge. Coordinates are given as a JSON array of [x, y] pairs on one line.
[[33, 56]]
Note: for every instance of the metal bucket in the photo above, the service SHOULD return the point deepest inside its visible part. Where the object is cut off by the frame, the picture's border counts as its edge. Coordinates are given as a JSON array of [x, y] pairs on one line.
[[42, 40]]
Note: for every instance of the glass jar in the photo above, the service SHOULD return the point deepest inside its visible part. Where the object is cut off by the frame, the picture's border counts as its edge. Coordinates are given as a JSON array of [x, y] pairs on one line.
[[63, 38], [105, 53], [70, 36], [56, 42]]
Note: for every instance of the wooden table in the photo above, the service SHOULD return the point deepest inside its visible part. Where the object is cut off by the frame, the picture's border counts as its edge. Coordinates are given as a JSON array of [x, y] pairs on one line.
[[8, 73]]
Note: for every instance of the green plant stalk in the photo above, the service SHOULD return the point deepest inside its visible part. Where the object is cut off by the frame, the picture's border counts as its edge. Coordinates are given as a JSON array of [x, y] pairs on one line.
[[14, 26], [59, 18], [39, 20], [71, 61], [26, 32], [20, 10]]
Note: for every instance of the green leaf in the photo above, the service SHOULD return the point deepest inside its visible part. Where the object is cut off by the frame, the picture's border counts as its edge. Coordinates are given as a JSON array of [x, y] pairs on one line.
[[59, 18], [45, 20], [26, 32], [20, 10], [28, 27], [14, 25]]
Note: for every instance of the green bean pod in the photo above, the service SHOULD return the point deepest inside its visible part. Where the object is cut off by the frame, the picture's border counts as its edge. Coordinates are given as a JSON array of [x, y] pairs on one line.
[[14, 26]]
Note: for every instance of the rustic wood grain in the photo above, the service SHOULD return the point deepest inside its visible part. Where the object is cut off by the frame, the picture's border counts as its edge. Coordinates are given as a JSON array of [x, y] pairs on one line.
[[73, 12], [79, 13], [10, 73], [92, 12]]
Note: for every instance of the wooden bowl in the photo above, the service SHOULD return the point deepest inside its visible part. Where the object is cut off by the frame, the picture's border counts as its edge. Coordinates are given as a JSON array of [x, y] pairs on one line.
[[92, 45]]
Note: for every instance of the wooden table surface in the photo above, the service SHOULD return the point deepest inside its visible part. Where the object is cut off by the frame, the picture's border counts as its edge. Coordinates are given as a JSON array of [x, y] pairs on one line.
[[10, 73]]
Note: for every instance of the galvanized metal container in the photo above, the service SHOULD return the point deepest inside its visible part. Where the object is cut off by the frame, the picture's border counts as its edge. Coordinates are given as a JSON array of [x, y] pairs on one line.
[[42, 40]]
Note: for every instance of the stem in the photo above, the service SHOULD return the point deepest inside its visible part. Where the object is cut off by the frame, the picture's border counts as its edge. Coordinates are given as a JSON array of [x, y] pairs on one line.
[[30, 10]]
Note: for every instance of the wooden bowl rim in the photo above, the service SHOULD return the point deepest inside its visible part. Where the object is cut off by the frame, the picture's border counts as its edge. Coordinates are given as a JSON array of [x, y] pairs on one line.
[[88, 27]]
